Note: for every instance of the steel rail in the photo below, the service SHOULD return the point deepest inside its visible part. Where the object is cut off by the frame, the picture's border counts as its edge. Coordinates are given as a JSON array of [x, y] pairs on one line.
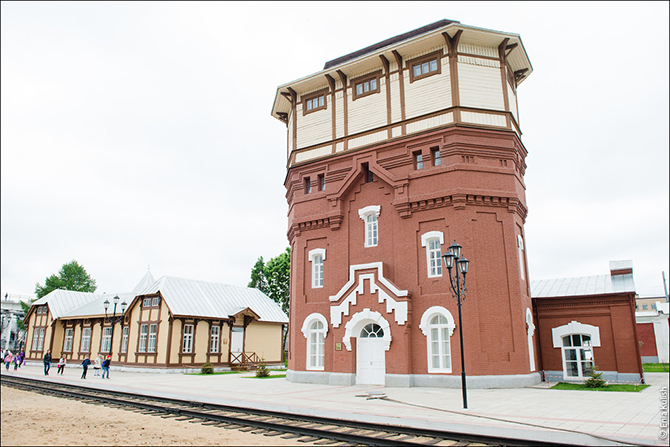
[[302, 425]]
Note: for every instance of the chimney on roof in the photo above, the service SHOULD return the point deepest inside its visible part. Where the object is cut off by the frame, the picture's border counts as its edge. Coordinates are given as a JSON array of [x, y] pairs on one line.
[[621, 268]]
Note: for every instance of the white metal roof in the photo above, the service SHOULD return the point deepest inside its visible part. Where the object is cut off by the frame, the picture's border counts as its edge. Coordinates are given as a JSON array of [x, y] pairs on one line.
[[63, 301], [585, 285], [144, 283], [97, 307], [205, 299]]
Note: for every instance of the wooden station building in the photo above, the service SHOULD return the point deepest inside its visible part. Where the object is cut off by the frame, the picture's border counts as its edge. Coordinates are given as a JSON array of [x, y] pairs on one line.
[[171, 323]]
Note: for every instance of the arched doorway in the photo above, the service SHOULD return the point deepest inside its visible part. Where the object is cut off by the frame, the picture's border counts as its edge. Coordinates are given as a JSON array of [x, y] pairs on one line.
[[371, 355]]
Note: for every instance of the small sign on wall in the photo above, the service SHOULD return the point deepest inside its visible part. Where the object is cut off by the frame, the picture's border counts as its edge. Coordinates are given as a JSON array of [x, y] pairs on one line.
[[338, 346]]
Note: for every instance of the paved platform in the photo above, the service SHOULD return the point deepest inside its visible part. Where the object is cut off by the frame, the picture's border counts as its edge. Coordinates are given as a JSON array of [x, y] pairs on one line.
[[537, 413]]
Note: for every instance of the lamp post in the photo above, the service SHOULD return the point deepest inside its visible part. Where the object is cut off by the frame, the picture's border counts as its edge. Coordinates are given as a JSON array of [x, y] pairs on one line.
[[113, 319], [457, 287]]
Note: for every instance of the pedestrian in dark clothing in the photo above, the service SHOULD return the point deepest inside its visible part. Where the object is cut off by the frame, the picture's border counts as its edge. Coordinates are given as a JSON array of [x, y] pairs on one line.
[[105, 366], [22, 357], [85, 364], [47, 363]]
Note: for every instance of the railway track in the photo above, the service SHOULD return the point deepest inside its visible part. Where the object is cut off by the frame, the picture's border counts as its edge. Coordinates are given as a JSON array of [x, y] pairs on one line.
[[322, 431]]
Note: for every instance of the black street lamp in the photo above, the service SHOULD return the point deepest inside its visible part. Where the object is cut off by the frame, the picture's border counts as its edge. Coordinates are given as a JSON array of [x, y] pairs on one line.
[[457, 286], [113, 319]]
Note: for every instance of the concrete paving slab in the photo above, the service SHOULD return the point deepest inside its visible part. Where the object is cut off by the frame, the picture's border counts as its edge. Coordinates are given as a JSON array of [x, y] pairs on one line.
[[534, 413]]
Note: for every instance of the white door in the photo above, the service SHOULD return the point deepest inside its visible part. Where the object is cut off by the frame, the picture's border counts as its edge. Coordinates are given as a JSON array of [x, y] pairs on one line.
[[236, 344], [370, 356]]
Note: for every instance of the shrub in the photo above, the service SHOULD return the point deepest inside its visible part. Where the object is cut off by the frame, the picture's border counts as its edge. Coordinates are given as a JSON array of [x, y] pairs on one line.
[[207, 368], [595, 380], [262, 370]]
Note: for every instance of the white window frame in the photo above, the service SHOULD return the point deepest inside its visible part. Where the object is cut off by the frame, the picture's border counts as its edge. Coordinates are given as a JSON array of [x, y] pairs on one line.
[[155, 301], [144, 329], [146, 302], [106, 344], [316, 257], [427, 330], [433, 255], [187, 342], [575, 328], [214, 337], [370, 216], [40, 338], [86, 339], [151, 344], [36, 336], [69, 337], [124, 340], [522, 269], [316, 341]]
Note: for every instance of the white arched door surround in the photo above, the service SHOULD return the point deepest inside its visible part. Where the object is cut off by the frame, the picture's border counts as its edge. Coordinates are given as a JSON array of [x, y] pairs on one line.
[[370, 356], [373, 339]]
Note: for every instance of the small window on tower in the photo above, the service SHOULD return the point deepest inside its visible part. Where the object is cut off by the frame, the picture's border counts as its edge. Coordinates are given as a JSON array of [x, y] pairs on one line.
[[367, 174], [314, 101], [418, 160], [437, 159], [308, 186], [322, 182]]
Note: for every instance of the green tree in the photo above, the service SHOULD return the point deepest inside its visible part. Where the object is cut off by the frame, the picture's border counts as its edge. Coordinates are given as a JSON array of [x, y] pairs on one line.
[[71, 276], [273, 278], [258, 280]]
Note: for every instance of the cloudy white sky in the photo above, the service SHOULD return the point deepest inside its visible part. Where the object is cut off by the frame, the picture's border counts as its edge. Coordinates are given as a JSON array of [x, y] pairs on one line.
[[138, 134]]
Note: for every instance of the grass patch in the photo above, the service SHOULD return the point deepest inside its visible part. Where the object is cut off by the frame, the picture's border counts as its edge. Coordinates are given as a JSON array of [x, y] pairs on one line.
[[213, 374], [613, 387], [656, 367], [277, 376]]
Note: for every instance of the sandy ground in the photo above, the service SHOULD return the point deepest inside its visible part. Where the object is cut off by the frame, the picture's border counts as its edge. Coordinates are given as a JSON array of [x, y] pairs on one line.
[[35, 419]]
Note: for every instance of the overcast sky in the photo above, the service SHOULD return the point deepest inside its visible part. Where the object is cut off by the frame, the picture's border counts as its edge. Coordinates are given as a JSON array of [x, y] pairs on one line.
[[138, 134]]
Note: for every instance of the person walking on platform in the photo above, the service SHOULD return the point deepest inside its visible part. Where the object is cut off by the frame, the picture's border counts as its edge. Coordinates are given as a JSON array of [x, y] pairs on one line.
[[8, 359], [61, 365], [97, 364], [22, 357], [85, 364], [16, 361], [105, 366], [47, 362]]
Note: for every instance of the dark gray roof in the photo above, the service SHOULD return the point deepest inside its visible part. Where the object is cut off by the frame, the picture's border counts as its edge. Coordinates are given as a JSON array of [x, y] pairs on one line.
[[387, 42]]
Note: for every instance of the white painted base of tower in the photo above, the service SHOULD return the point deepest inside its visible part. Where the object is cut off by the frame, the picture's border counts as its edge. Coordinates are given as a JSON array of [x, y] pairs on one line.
[[419, 380]]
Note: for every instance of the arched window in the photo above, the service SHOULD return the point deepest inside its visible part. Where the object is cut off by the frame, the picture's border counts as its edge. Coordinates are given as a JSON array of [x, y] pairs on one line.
[[519, 240], [369, 215], [315, 329], [372, 330], [433, 241], [577, 355], [316, 257], [437, 324], [316, 346], [576, 341]]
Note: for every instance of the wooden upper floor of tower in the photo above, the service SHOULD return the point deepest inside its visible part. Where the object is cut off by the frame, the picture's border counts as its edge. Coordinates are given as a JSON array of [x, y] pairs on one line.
[[440, 75]]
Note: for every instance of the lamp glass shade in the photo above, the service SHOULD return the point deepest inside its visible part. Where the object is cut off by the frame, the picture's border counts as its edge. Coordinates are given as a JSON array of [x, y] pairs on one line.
[[123, 307], [455, 249], [448, 258], [463, 265], [106, 304], [116, 299]]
